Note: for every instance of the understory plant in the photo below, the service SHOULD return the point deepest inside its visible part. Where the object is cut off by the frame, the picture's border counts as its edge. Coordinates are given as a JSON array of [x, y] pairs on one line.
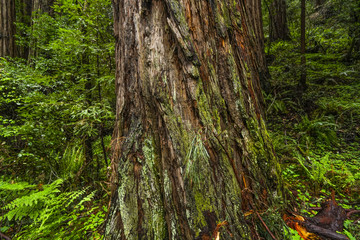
[[46, 212]]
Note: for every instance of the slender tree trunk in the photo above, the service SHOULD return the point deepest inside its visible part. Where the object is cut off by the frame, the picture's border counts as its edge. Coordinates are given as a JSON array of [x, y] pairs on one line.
[[38, 7], [101, 127], [7, 28], [278, 21], [88, 141], [43, 6], [255, 15], [302, 82], [23, 16], [190, 146]]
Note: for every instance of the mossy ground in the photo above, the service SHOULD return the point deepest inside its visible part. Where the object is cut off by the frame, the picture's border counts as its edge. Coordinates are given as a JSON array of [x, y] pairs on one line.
[[316, 133]]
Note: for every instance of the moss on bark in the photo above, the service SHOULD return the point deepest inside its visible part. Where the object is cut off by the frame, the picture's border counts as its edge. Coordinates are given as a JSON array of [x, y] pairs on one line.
[[193, 141]]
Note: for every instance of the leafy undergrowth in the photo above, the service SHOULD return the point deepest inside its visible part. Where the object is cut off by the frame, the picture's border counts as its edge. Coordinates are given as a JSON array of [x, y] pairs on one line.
[[49, 212], [316, 133]]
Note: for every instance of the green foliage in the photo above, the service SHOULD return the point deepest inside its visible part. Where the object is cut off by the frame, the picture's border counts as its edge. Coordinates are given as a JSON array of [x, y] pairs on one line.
[[65, 95], [291, 234], [279, 104], [318, 171], [50, 213], [351, 230], [70, 162], [15, 186], [317, 131], [29, 204], [328, 39], [60, 97], [57, 107]]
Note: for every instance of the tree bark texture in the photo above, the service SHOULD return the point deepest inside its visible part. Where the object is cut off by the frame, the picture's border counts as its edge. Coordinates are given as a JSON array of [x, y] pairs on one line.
[[278, 24], [7, 28], [190, 143]]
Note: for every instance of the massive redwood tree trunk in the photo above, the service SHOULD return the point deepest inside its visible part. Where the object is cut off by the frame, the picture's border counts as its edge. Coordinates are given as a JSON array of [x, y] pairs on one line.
[[7, 28], [190, 147]]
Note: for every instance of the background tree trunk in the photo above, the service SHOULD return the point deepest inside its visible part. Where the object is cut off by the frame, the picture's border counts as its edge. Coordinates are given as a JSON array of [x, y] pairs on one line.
[[27, 12], [43, 6], [7, 28], [302, 83], [190, 146], [255, 15], [278, 23], [23, 15], [38, 7]]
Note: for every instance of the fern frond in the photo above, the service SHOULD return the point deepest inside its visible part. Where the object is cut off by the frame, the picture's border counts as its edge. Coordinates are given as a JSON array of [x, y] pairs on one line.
[[5, 186]]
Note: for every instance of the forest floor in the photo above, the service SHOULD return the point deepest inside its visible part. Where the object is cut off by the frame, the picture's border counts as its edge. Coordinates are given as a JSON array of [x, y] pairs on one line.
[[316, 134]]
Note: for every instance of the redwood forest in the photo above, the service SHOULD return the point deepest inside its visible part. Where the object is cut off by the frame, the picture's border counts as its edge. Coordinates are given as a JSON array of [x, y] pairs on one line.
[[180, 119]]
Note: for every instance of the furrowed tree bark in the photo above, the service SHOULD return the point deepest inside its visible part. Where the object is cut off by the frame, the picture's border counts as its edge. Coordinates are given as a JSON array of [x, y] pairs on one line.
[[190, 142], [7, 28]]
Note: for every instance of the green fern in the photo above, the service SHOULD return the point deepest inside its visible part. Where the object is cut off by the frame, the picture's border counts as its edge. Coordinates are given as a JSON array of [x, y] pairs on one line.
[[48, 211], [318, 171], [6, 186], [71, 161], [28, 205], [316, 131]]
